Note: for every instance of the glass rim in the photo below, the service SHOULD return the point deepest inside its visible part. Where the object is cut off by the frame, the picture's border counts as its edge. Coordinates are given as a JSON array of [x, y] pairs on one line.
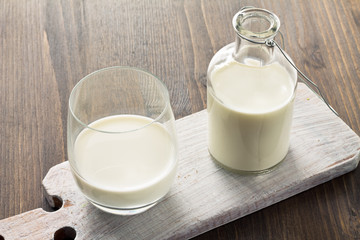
[[135, 69]]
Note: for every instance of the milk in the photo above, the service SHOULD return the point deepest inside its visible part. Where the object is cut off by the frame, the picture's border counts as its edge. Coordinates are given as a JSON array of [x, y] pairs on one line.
[[128, 169], [250, 113]]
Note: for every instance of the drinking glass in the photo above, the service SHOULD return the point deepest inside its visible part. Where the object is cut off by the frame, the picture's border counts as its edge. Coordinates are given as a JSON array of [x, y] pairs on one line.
[[121, 139]]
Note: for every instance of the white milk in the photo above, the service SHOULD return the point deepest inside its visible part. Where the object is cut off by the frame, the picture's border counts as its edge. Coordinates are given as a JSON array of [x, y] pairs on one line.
[[125, 170], [250, 117]]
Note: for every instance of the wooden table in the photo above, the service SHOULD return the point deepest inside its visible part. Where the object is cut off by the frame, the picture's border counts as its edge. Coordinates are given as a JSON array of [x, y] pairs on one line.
[[46, 47]]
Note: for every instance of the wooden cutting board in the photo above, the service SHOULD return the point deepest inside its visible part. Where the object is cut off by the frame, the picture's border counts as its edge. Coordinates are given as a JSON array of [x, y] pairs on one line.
[[204, 196]]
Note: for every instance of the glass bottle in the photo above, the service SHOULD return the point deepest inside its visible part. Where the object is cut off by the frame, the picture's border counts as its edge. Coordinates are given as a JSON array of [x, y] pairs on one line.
[[250, 95]]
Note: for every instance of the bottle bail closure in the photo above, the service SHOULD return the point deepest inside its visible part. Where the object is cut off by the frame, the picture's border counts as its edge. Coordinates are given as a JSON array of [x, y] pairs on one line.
[[265, 35]]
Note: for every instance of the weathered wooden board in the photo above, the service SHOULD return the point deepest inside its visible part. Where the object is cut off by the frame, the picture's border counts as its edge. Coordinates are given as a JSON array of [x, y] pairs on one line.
[[204, 195]]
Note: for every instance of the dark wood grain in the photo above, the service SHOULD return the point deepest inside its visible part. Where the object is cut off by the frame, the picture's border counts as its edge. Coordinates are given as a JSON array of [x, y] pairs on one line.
[[48, 46]]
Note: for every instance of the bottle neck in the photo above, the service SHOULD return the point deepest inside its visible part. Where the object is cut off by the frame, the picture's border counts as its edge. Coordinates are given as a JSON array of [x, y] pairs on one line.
[[254, 26], [251, 53]]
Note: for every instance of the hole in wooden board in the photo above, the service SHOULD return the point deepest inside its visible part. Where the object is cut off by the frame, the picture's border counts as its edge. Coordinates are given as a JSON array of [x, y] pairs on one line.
[[54, 203], [57, 203], [65, 233]]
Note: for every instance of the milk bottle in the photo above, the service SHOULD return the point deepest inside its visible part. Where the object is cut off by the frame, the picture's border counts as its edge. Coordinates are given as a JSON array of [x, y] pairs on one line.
[[250, 97]]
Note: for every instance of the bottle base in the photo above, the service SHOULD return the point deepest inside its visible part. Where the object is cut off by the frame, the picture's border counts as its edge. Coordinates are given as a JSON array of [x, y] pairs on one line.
[[246, 172]]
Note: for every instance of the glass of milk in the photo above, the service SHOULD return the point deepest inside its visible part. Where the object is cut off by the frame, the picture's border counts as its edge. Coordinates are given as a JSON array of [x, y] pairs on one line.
[[250, 96], [121, 139]]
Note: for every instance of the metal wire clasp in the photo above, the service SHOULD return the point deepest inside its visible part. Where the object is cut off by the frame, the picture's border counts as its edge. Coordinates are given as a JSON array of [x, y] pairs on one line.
[[303, 78]]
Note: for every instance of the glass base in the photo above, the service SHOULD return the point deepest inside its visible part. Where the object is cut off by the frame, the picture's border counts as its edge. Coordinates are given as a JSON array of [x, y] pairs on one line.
[[123, 211]]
